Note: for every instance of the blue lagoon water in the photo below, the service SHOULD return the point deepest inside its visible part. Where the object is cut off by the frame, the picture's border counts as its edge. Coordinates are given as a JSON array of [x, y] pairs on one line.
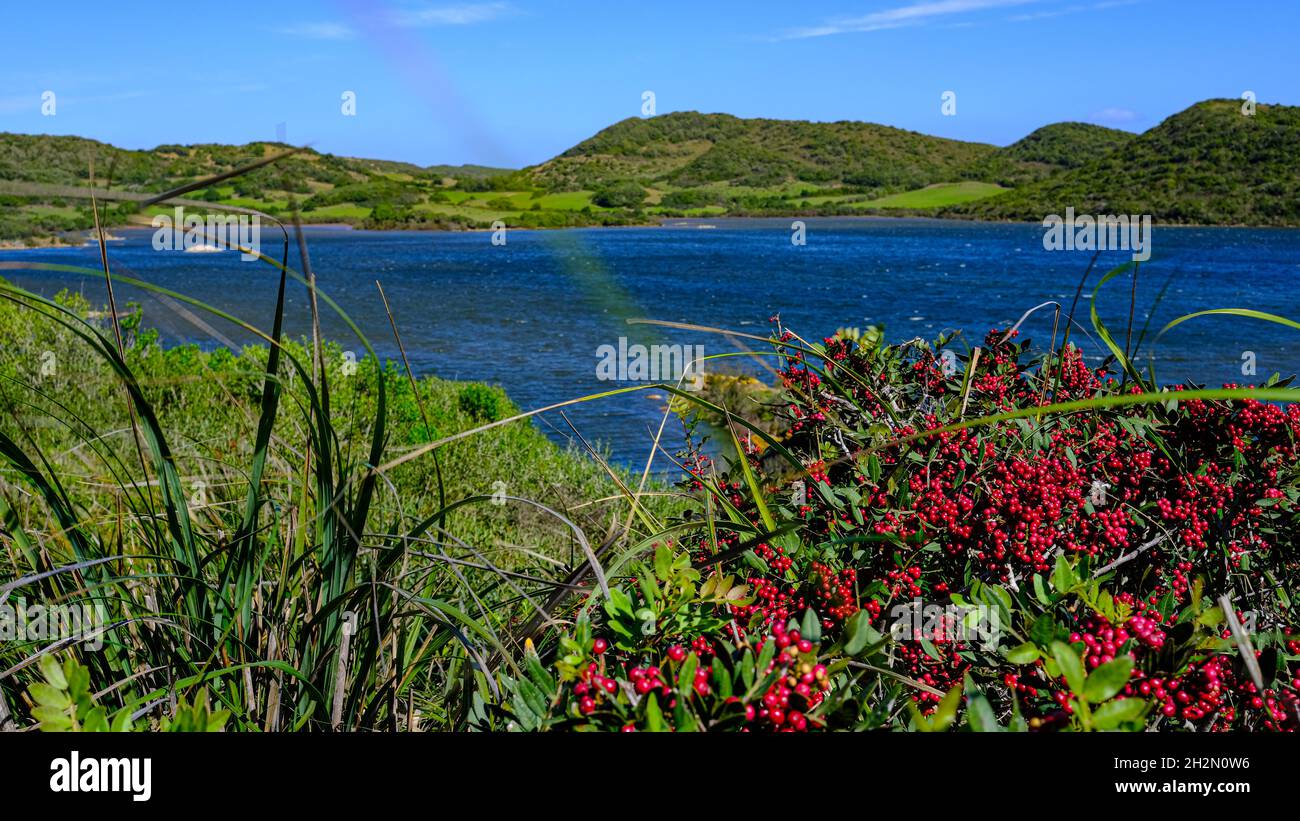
[[530, 315]]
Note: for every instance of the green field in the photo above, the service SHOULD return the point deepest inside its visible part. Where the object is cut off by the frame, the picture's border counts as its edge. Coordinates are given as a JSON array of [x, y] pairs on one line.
[[343, 211], [466, 212], [567, 201], [937, 196]]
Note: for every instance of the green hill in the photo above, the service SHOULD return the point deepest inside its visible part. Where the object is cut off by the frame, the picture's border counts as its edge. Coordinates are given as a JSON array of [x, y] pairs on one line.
[[1047, 150], [688, 149], [1209, 164], [43, 176], [65, 161], [1066, 145]]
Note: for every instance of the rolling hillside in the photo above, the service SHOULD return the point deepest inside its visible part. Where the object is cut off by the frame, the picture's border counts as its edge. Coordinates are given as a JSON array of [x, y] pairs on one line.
[[41, 176], [1047, 150], [1209, 164], [689, 149], [64, 161]]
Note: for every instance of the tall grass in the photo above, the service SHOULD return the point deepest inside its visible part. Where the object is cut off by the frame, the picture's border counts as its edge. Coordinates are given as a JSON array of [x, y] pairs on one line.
[[270, 559]]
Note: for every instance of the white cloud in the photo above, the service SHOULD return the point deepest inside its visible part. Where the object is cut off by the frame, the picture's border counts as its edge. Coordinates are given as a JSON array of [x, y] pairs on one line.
[[1061, 12], [917, 13], [459, 15], [319, 31]]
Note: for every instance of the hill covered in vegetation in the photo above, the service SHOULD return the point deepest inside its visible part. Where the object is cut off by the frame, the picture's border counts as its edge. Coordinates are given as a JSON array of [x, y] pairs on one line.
[[1050, 149], [688, 150], [43, 180], [1210, 164]]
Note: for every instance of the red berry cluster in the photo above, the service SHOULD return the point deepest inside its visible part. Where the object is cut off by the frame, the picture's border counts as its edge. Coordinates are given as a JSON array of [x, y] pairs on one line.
[[593, 687], [801, 686]]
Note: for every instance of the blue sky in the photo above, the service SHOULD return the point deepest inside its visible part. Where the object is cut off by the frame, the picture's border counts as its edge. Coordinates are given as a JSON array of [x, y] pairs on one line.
[[515, 82]]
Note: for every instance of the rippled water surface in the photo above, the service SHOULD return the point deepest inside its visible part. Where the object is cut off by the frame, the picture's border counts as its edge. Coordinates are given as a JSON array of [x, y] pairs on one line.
[[531, 315]]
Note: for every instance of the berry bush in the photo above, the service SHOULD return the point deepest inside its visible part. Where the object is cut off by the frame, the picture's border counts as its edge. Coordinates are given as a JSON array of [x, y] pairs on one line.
[[983, 541]]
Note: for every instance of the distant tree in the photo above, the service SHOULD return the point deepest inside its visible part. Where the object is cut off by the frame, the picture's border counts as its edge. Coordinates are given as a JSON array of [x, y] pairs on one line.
[[624, 194]]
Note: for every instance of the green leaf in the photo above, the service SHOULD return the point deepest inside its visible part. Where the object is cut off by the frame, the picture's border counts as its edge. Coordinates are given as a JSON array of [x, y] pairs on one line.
[[999, 596], [1246, 312], [754, 489], [537, 671], [1040, 590], [946, 713], [721, 679], [663, 563], [528, 717], [121, 722], [47, 696], [654, 717], [1108, 679], [766, 656], [811, 627], [1104, 333], [931, 650], [1106, 605], [53, 672], [860, 633], [217, 721], [52, 720], [1063, 579], [649, 589], [686, 675], [682, 717], [1114, 713], [982, 718], [618, 602], [1211, 617], [616, 627], [747, 669], [97, 721], [78, 680], [1017, 724], [1070, 666], [707, 588], [979, 712], [1026, 653]]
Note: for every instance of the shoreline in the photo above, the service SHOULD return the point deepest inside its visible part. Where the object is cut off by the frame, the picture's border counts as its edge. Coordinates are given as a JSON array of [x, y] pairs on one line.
[[39, 243]]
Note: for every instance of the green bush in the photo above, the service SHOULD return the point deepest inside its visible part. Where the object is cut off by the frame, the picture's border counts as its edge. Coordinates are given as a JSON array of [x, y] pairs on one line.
[[483, 402], [624, 194]]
